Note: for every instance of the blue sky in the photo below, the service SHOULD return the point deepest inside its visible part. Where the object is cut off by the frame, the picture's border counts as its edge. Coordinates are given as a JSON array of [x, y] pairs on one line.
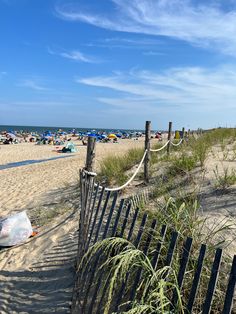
[[118, 63]]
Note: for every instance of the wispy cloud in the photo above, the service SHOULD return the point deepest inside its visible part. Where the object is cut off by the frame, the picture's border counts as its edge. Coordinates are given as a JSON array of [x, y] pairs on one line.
[[206, 24], [32, 84], [153, 53], [127, 43], [191, 88], [74, 55], [2, 74]]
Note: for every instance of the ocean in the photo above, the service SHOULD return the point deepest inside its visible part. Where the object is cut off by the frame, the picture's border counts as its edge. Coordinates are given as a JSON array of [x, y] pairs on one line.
[[42, 129]]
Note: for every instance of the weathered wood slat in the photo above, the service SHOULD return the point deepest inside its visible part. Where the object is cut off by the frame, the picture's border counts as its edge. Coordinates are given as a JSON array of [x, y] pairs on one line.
[[133, 224], [95, 216], [117, 218], [171, 249], [125, 221], [183, 265], [196, 279], [230, 289], [110, 215], [101, 217], [90, 189], [158, 247], [93, 205], [212, 282], [140, 232]]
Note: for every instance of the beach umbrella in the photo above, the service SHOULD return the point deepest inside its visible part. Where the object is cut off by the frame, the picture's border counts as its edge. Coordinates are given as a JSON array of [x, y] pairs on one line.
[[112, 136], [118, 135], [11, 135]]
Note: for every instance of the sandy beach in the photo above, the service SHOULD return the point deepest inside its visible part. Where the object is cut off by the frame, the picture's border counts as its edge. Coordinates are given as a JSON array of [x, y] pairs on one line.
[[27, 186]]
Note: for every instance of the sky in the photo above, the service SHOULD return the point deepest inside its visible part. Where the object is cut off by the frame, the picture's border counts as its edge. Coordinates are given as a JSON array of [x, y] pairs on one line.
[[118, 63]]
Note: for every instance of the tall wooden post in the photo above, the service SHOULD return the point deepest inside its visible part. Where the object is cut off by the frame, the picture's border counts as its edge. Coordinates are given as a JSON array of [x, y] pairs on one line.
[[89, 165], [147, 147], [169, 137], [86, 192], [183, 131]]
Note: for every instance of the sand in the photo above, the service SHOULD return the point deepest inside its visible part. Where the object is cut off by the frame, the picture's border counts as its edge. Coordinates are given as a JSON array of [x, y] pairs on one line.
[[28, 186]]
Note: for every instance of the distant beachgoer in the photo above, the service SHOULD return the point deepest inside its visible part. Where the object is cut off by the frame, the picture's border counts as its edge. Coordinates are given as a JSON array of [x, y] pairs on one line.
[[84, 142]]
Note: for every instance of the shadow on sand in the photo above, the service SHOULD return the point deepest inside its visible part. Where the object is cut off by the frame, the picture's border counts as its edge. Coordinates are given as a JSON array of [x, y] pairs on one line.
[[44, 288]]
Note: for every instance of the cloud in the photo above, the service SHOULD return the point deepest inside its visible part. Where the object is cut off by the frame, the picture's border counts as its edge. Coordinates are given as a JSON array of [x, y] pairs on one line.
[[126, 43], [2, 74], [32, 84], [193, 89], [201, 23], [74, 55]]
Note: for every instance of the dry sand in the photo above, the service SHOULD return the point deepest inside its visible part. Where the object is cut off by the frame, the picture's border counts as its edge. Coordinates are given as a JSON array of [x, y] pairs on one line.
[[27, 186]]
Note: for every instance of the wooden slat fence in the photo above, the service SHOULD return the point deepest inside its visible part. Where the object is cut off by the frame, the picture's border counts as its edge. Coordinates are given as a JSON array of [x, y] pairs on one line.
[[108, 217]]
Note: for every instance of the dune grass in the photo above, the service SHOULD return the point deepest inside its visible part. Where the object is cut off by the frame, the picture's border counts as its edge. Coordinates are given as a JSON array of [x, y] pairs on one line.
[[226, 179], [113, 168], [184, 158]]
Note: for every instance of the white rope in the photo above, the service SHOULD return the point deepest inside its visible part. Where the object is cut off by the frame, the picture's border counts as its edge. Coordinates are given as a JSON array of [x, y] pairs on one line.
[[177, 143], [129, 181], [159, 149], [93, 174]]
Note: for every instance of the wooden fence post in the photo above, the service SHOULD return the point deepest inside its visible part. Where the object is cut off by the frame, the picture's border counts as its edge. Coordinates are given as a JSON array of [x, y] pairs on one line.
[[147, 147], [183, 130], [169, 137], [86, 191], [90, 153]]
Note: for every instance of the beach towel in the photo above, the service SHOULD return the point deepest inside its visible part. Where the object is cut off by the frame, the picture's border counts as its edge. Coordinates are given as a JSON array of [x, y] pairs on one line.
[[15, 229]]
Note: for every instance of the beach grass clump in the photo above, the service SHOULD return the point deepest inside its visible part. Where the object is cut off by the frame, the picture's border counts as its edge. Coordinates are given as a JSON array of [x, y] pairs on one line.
[[181, 164], [201, 146], [224, 180], [121, 257], [113, 168], [200, 149]]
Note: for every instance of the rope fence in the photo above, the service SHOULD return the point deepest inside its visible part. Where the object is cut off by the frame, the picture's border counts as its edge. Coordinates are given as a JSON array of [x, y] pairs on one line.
[[177, 144], [119, 188]]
